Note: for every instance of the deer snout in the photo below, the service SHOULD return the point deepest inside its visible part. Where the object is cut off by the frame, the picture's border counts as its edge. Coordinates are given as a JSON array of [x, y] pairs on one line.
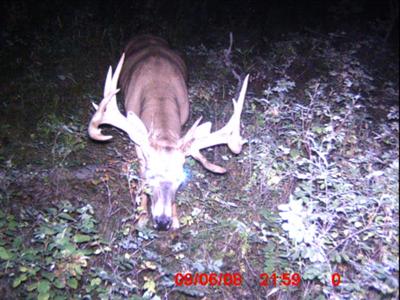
[[162, 200], [163, 222]]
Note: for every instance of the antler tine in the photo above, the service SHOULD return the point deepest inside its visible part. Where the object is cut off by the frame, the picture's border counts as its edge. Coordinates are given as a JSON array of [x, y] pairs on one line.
[[112, 80], [236, 143], [192, 130], [117, 72], [190, 135]]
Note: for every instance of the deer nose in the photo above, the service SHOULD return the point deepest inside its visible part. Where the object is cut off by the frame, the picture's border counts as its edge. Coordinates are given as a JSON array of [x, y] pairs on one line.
[[163, 222]]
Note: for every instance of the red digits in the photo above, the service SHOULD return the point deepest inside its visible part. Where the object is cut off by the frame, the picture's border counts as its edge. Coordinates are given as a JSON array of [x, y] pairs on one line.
[[296, 279], [188, 279], [212, 279], [203, 279], [227, 279], [285, 279], [178, 279], [237, 279], [264, 279], [335, 279], [274, 278]]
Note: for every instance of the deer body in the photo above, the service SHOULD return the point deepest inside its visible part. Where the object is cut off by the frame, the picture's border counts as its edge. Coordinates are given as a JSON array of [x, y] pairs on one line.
[[153, 81]]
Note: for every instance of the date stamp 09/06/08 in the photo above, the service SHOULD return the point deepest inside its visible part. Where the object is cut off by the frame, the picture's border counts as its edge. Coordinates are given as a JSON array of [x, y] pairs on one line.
[[235, 279]]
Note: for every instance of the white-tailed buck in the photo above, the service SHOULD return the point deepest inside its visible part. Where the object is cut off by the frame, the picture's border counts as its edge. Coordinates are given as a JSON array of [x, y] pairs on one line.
[[153, 81]]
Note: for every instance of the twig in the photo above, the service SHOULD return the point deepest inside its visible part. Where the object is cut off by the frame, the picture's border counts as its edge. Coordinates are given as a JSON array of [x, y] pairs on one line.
[[229, 64]]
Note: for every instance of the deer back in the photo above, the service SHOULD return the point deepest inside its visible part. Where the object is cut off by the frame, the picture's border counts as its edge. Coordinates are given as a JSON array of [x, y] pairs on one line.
[[153, 81]]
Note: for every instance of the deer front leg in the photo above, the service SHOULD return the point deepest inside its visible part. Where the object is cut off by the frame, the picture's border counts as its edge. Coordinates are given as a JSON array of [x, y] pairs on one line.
[[175, 220], [143, 212]]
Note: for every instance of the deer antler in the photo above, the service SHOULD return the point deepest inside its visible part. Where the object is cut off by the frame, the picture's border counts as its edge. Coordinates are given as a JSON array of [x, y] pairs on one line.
[[107, 112], [229, 134]]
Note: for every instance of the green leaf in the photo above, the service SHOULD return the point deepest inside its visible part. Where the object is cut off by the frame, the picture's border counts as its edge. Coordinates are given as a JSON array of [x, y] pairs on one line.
[[317, 129], [78, 269], [23, 269], [49, 276], [5, 254], [134, 297], [59, 284], [95, 281], [61, 241], [294, 153], [47, 230], [68, 249], [150, 286], [52, 211], [82, 238], [73, 283], [43, 286], [21, 278], [12, 225], [30, 255], [31, 287], [67, 217], [43, 296], [17, 242]]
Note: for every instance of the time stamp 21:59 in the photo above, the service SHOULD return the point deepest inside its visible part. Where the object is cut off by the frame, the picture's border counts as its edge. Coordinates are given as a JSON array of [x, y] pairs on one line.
[[235, 279]]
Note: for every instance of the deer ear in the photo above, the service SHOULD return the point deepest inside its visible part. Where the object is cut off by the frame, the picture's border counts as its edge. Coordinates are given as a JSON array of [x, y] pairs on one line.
[[138, 124], [141, 135]]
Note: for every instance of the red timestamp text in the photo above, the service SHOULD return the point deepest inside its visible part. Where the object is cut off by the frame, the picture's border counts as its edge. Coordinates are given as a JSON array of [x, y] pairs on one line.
[[284, 279], [211, 279]]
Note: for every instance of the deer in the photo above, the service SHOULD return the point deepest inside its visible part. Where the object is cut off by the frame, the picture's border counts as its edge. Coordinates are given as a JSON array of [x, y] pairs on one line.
[[153, 79]]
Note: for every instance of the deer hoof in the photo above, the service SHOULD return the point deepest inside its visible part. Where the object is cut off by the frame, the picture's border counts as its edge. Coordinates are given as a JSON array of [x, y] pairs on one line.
[[175, 224], [143, 220]]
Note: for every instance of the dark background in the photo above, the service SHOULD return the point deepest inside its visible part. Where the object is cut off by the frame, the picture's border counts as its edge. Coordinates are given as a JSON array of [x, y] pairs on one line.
[[202, 21]]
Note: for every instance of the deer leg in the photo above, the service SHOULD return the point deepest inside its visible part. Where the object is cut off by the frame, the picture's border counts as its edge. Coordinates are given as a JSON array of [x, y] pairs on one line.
[[143, 213], [175, 220]]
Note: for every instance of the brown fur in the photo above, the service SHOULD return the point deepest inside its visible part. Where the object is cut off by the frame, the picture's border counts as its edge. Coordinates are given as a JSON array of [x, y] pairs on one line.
[[153, 81]]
